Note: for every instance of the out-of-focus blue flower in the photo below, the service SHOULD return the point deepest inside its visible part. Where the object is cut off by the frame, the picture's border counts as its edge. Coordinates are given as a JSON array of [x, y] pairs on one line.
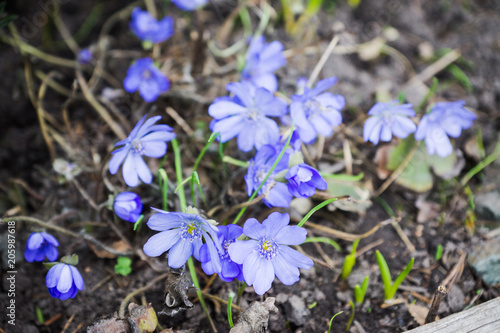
[[147, 28], [317, 112], [41, 245], [84, 56], [181, 234], [64, 281], [230, 269], [303, 180], [445, 119], [145, 139], [388, 119], [262, 60], [246, 116], [189, 4], [266, 254], [278, 195], [145, 77], [128, 206]]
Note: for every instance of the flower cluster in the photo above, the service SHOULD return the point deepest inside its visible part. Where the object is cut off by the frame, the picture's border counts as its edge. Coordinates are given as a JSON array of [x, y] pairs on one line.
[[144, 76], [445, 119], [63, 279], [256, 261], [128, 206]]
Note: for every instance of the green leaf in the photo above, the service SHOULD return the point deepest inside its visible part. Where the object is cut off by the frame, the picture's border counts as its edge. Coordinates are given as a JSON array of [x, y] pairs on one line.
[[323, 240], [70, 260], [340, 185], [122, 266], [461, 77]]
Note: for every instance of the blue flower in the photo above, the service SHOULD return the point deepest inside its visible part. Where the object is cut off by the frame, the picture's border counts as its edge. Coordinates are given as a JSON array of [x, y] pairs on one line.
[[445, 119], [64, 281], [189, 4], [182, 234], [317, 112], [245, 116], [147, 28], [303, 180], [84, 56], [261, 61], [230, 269], [128, 206], [266, 254], [145, 139], [41, 245], [278, 195], [388, 119], [145, 77]]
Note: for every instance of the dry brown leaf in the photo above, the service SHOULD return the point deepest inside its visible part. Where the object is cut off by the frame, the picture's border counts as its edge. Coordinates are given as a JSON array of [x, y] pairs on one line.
[[418, 312]]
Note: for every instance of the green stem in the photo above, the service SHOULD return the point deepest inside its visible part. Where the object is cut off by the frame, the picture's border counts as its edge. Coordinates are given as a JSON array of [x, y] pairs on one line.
[[163, 182], [234, 161], [178, 174], [254, 194], [182, 202], [318, 207], [229, 313]]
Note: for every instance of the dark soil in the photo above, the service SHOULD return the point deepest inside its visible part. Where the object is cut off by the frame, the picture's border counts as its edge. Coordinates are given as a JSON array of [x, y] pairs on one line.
[[29, 186]]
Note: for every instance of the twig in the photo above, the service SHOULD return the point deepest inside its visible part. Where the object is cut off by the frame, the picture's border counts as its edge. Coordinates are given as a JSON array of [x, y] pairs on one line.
[[322, 61], [98, 107], [241, 205], [68, 322], [436, 300], [347, 236], [87, 237], [403, 237], [218, 299], [179, 120], [138, 291]]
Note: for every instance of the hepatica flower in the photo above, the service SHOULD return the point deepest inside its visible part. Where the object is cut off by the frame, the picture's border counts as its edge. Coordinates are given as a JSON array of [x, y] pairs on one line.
[[445, 119], [262, 60], [316, 111], [149, 29], [144, 76], [189, 4], [388, 119], [267, 254], [278, 195], [146, 139], [128, 206], [64, 281], [182, 235], [303, 180], [41, 245], [245, 116], [84, 56], [230, 269]]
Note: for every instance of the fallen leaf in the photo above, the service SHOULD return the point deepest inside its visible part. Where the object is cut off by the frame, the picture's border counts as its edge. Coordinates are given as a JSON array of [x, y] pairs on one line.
[[418, 312]]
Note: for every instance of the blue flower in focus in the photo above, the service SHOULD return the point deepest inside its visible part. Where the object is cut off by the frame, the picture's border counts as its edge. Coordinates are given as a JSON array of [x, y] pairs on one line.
[[84, 56], [41, 245], [246, 116], [145, 139], [64, 281], [388, 119], [445, 119], [230, 269], [189, 4], [262, 60], [259, 166], [303, 180], [266, 254], [181, 234], [145, 77], [128, 206], [317, 112], [147, 28]]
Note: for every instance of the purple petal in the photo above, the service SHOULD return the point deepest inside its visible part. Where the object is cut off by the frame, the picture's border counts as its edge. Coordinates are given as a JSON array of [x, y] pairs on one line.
[[296, 257], [223, 109], [35, 240], [65, 280], [77, 278], [51, 253], [142, 169], [162, 242], [166, 221], [253, 229], [239, 250], [50, 239], [264, 278], [274, 223], [180, 253], [291, 235], [129, 172], [285, 271], [251, 266]]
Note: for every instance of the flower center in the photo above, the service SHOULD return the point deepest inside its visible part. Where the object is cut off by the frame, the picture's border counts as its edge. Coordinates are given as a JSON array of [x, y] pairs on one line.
[[138, 147], [225, 246], [268, 248], [146, 74], [190, 232]]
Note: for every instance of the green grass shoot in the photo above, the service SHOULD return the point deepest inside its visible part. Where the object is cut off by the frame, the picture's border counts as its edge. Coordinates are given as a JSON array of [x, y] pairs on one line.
[[390, 288], [350, 261], [360, 291]]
